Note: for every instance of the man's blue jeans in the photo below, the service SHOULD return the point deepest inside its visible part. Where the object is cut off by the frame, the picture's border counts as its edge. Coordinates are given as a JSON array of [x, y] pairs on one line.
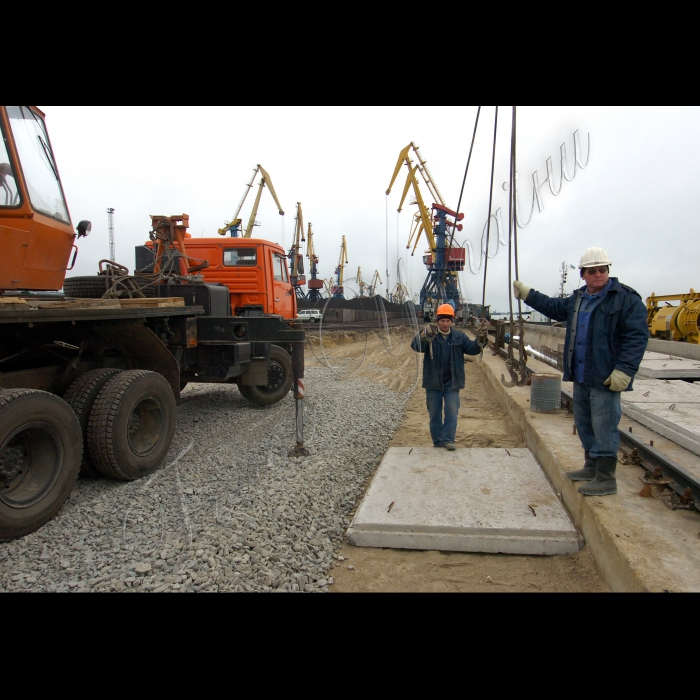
[[442, 431], [597, 416]]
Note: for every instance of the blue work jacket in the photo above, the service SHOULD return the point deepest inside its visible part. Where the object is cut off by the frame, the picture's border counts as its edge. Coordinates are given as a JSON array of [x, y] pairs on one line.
[[617, 332], [433, 368]]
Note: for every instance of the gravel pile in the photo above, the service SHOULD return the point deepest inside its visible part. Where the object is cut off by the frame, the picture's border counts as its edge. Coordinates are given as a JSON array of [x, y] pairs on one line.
[[229, 510]]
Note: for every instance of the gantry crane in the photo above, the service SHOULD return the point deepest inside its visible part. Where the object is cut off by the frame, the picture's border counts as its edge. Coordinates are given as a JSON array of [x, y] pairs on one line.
[[373, 284], [234, 226], [442, 260], [338, 288], [296, 258], [315, 284]]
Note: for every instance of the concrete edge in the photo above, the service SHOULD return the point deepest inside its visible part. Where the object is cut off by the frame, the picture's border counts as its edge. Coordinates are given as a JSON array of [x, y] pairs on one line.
[[613, 565], [663, 427], [446, 542]]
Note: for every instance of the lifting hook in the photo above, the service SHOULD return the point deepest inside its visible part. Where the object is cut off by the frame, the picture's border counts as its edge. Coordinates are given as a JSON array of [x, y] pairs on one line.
[[513, 376]]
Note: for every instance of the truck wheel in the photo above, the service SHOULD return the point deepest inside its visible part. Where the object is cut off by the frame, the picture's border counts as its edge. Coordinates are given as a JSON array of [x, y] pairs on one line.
[[41, 448], [131, 424], [279, 372], [80, 397], [93, 287]]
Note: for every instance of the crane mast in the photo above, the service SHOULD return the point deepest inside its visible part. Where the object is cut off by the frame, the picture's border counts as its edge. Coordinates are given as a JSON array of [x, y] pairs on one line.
[[296, 257], [315, 284], [339, 271]]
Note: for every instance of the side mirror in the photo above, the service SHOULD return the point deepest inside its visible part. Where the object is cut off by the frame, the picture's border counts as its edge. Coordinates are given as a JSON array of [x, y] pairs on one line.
[[84, 227]]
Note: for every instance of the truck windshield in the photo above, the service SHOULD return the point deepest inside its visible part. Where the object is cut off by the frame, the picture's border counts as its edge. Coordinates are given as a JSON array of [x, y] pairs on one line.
[[9, 194], [38, 164]]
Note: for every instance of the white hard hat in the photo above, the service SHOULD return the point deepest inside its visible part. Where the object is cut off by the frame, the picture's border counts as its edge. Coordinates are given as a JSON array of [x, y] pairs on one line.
[[593, 257]]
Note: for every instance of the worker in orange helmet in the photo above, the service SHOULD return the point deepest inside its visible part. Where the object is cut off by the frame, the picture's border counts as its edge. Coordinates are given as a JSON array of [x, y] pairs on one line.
[[443, 349]]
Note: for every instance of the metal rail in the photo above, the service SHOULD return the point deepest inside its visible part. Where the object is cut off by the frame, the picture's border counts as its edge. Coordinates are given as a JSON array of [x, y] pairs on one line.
[[663, 470]]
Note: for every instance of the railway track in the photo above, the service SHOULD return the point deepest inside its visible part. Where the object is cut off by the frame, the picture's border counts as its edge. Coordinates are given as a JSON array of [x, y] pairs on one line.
[[662, 470]]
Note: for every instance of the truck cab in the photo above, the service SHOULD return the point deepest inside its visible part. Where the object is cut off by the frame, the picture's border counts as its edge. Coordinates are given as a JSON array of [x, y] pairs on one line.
[[36, 235], [254, 270]]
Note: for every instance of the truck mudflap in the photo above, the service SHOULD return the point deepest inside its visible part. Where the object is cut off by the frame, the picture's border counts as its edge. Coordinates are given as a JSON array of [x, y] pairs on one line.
[[136, 341]]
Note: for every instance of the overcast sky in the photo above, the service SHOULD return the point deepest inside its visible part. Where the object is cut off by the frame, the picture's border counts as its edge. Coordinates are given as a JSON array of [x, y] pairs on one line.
[[635, 198]]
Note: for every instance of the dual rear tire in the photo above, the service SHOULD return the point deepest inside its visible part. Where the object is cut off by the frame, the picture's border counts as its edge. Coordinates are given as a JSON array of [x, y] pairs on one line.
[[119, 424]]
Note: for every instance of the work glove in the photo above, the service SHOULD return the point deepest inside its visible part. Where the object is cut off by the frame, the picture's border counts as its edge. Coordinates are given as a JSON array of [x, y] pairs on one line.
[[429, 331], [482, 337], [520, 291], [617, 381]]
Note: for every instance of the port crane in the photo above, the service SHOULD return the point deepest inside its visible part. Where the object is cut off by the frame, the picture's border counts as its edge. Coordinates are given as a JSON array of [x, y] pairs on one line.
[[234, 226], [338, 288], [296, 258], [315, 284], [362, 286], [373, 284], [442, 260]]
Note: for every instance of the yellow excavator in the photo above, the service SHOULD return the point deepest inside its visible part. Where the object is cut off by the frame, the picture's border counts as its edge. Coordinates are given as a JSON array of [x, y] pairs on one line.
[[234, 226], [674, 322]]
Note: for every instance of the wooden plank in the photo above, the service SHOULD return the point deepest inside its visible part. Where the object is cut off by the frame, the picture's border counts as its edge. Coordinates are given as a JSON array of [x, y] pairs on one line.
[[12, 300], [81, 304], [152, 303]]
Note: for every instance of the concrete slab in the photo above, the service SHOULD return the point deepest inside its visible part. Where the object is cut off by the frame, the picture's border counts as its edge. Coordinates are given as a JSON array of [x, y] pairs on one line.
[[657, 365], [492, 500], [670, 408]]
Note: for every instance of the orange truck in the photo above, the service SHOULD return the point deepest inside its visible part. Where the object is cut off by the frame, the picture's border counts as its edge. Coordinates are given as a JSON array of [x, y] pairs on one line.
[[253, 270], [90, 380]]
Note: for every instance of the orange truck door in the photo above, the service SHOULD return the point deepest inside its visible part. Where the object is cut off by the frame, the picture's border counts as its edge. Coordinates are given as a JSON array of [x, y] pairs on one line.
[[284, 300]]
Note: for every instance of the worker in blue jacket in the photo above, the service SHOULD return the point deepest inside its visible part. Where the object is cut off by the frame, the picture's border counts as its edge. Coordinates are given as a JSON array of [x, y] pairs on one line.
[[443, 349], [606, 336]]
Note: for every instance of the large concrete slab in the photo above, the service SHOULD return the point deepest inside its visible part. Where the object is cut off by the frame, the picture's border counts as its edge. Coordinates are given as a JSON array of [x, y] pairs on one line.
[[670, 408], [656, 365], [492, 500]]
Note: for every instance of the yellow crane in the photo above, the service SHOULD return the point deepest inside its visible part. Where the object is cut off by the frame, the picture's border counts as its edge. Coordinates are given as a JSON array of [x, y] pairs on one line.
[[373, 283], [361, 285], [422, 219], [315, 284], [234, 226], [338, 289], [296, 258], [400, 294], [442, 259]]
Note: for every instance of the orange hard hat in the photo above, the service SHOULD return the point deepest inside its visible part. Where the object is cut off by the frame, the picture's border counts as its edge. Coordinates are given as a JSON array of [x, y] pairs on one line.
[[445, 310]]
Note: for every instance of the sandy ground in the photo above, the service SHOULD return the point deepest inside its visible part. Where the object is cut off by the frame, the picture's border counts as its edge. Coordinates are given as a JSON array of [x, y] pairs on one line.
[[482, 423]]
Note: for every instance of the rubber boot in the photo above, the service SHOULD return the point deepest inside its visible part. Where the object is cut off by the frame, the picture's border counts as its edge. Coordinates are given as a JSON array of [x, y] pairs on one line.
[[587, 473], [604, 483]]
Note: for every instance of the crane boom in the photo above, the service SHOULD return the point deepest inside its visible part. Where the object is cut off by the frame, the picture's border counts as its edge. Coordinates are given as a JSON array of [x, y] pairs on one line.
[[234, 225]]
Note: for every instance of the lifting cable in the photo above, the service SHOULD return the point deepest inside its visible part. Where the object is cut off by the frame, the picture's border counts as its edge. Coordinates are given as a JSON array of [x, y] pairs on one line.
[[466, 170], [513, 253], [488, 226]]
